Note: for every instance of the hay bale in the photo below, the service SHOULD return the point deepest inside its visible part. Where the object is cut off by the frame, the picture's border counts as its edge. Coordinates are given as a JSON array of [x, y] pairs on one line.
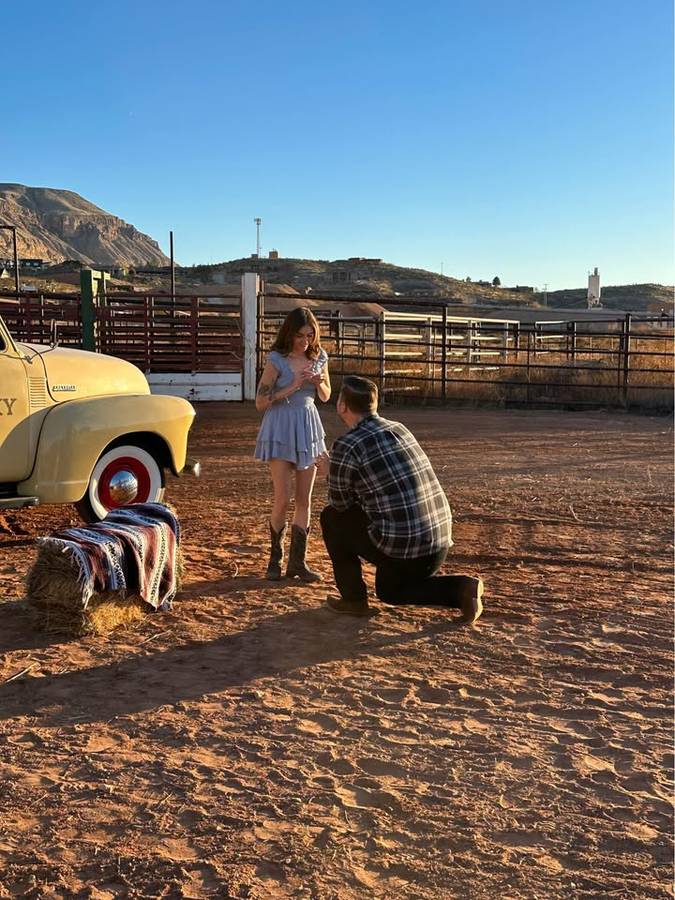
[[54, 598]]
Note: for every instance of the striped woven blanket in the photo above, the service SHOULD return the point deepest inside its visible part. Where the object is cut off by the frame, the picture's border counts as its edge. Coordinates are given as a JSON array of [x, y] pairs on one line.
[[132, 550]]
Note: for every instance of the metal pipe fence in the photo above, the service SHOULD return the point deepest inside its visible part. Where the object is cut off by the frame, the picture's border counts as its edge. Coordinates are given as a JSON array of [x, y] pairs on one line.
[[436, 357]]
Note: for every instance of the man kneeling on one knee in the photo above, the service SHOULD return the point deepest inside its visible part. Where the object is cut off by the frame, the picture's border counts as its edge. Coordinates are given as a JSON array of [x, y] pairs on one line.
[[386, 506]]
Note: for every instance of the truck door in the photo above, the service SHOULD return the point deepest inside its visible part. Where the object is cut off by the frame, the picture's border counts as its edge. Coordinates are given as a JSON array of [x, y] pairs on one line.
[[16, 451]]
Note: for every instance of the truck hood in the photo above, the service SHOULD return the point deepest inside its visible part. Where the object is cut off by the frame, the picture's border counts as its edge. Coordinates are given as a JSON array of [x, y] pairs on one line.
[[73, 374]]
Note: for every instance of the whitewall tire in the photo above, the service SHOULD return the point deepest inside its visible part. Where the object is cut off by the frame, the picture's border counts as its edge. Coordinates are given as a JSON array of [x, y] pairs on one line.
[[124, 474]]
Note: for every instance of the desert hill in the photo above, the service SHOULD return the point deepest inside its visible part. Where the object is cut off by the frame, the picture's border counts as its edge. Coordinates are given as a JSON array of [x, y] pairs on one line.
[[375, 280], [55, 225], [363, 279], [639, 297]]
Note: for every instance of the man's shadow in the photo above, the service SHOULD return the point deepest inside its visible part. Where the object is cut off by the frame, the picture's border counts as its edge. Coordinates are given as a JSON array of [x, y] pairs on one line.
[[278, 645]]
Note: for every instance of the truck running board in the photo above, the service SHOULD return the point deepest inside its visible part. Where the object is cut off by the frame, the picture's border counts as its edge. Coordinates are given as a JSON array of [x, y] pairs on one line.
[[17, 502]]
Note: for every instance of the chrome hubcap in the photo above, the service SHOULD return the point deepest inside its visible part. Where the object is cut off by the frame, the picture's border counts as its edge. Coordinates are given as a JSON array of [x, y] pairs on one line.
[[123, 487]]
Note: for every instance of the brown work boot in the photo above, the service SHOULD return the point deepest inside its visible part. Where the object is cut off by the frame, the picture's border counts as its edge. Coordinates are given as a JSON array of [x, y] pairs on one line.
[[470, 593], [347, 607]]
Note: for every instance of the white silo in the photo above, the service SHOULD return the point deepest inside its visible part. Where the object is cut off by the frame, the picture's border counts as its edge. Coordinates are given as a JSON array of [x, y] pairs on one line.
[[593, 296]]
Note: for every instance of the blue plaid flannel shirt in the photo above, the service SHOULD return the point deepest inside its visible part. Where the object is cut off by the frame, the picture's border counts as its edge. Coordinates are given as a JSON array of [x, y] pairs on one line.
[[379, 466]]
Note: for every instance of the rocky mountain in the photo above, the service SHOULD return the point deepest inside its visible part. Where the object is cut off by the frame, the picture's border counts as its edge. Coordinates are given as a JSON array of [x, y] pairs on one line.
[[55, 225]]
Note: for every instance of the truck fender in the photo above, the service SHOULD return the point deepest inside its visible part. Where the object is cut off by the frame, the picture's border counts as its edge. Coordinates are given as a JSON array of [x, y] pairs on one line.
[[75, 433]]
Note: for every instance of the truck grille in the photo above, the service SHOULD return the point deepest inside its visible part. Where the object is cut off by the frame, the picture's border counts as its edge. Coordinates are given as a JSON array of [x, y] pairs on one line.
[[37, 392]]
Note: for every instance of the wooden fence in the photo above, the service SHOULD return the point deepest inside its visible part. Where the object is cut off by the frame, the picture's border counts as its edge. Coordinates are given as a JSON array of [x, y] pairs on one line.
[[156, 333], [34, 319], [192, 334]]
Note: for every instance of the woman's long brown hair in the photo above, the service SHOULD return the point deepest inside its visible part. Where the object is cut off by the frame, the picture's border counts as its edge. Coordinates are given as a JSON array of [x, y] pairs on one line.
[[294, 321]]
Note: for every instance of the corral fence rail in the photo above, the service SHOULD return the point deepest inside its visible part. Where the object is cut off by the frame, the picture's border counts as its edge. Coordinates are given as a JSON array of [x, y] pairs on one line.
[[157, 333], [418, 353], [37, 318], [160, 334], [415, 351]]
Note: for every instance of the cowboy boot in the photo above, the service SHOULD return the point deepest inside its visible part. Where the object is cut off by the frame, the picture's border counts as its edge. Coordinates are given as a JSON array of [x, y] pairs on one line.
[[273, 572], [296, 556]]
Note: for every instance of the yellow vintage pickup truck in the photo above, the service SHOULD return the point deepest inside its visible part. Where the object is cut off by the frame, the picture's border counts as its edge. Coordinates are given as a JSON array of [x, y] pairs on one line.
[[83, 428]]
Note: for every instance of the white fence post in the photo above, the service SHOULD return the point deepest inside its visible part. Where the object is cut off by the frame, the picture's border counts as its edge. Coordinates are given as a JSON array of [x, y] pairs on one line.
[[250, 286]]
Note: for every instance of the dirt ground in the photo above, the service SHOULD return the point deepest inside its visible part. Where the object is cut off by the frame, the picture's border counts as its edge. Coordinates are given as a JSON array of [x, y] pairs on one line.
[[250, 744]]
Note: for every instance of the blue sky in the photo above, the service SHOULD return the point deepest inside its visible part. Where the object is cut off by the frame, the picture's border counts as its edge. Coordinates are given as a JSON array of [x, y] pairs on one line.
[[530, 140]]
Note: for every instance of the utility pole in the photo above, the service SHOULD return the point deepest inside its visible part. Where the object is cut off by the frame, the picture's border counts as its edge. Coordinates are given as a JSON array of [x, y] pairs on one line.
[[258, 223], [546, 294], [173, 273]]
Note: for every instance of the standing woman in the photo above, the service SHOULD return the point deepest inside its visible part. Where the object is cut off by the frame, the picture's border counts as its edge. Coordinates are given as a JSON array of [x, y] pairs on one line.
[[291, 435]]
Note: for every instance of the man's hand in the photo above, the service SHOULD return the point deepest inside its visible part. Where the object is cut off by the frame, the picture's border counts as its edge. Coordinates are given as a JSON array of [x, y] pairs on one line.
[[322, 463]]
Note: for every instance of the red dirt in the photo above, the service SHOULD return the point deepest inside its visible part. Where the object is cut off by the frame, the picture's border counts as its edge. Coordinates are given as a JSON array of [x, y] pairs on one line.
[[252, 745]]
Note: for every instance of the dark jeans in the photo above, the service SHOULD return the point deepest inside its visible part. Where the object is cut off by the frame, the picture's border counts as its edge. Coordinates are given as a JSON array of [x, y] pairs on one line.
[[397, 581]]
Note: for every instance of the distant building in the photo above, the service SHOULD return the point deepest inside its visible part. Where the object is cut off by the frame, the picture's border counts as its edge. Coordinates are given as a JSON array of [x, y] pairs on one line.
[[24, 263], [274, 254]]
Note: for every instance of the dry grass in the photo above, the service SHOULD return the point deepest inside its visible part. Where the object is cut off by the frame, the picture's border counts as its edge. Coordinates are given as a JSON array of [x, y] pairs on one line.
[[54, 598], [594, 375]]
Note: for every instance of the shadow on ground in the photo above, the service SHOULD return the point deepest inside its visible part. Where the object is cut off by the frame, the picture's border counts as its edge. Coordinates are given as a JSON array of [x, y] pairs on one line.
[[278, 645]]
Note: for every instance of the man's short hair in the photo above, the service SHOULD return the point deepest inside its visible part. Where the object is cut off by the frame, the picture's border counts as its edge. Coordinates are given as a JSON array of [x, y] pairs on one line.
[[359, 394]]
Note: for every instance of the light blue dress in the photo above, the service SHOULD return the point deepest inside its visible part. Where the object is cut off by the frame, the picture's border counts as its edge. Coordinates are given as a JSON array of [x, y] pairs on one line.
[[291, 429]]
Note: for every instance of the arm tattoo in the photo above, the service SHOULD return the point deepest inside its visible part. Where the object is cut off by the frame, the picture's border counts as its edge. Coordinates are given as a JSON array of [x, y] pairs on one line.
[[264, 390]]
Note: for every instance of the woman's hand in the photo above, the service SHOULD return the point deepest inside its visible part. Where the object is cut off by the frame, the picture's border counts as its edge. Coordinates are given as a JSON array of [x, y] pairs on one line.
[[301, 376]]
